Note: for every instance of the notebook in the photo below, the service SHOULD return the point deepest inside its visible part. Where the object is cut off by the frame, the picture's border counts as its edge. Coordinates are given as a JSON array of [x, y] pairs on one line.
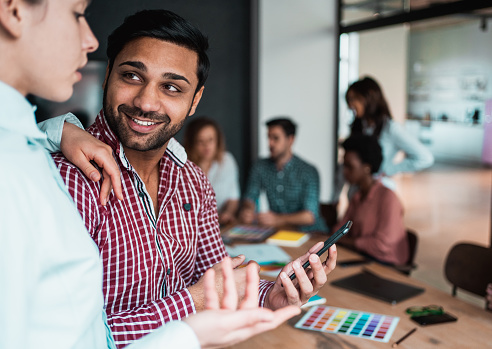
[[288, 238], [263, 254], [375, 286]]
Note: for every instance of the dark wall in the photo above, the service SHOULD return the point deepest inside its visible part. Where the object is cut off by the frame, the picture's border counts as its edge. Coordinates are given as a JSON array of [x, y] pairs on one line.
[[227, 91]]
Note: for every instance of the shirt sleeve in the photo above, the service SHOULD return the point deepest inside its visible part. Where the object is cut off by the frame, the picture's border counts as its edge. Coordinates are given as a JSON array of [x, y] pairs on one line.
[[53, 128], [311, 192], [175, 334], [417, 156], [19, 270], [128, 326]]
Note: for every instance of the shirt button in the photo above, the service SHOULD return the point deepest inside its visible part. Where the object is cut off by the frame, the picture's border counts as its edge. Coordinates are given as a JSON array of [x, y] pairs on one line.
[[280, 188], [142, 194], [280, 174]]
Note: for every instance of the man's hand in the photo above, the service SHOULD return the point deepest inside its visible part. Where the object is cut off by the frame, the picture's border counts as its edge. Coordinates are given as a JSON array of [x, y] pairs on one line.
[[270, 219], [79, 147], [307, 283], [247, 215], [224, 323], [239, 274]]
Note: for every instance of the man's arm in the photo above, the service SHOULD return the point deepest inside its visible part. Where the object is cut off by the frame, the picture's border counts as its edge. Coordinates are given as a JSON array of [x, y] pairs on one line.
[[251, 194], [225, 321], [273, 219], [210, 247]]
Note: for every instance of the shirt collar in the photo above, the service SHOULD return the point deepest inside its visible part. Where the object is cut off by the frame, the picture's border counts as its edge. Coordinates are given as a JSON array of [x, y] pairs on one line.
[[17, 114], [174, 150]]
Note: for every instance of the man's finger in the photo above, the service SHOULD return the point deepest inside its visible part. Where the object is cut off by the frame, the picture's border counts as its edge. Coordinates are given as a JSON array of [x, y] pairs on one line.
[[211, 296], [229, 300], [252, 281], [237, 261]]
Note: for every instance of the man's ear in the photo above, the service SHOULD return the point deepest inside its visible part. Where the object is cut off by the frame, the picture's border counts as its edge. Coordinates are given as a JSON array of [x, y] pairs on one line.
[[12, 17], [196, 100], [291, 138]]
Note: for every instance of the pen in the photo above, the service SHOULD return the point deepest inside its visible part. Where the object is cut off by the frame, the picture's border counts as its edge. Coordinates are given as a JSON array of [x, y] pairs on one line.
[[395, 344]]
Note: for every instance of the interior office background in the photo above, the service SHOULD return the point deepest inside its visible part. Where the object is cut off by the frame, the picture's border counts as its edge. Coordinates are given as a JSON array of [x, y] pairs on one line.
[[268, 58], [278, 57]]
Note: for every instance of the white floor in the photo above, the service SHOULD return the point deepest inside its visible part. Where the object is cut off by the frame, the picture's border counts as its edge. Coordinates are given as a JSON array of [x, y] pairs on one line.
[[445, 205]]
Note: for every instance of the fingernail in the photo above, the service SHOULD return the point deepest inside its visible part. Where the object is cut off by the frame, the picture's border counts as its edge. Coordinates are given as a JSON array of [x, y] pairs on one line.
[[296, 265], [105, 201], [283, 275], [94, 176]]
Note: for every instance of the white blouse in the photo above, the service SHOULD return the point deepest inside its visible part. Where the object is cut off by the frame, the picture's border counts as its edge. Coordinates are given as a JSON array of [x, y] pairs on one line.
[[224, 177]]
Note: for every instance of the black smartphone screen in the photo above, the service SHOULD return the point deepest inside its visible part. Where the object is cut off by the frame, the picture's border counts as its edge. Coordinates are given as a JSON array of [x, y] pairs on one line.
[[433, 319]]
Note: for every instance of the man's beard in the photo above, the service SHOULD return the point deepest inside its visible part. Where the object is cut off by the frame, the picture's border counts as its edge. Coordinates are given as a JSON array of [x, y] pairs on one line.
[[125, 134]]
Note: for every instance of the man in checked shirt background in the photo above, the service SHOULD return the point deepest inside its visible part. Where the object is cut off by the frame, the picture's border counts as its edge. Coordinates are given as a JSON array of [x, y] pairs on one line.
[[157, 243]]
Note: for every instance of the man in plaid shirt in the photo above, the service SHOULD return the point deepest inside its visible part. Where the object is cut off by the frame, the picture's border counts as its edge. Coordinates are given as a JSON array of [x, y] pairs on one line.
[[158, 241], [291, 185]]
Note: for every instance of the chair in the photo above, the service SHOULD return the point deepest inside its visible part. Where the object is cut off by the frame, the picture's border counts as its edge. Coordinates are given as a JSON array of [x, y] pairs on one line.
[[413, 240], [468, 267], [329, 213]]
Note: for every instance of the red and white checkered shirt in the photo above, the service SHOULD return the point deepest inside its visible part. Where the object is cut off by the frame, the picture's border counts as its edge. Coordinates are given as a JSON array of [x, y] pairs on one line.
[[149, 261]]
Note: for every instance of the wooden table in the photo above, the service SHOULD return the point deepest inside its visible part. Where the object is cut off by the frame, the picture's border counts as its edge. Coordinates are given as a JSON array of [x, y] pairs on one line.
[[472, 330]]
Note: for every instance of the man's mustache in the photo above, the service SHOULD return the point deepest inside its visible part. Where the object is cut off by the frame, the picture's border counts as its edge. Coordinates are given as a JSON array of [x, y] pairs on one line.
[[137, 112]]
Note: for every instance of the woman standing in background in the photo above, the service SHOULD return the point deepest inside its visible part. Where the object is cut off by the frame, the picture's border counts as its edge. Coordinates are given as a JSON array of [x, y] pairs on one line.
[[372, 117], [205, 145]]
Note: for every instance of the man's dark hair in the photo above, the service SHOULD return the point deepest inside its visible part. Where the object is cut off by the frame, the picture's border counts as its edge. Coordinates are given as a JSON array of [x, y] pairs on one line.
[[287, 125], [162, 25], [367, 148]]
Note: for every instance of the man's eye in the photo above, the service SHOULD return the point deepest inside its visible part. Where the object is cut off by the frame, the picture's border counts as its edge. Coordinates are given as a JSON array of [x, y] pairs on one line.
[[171, 88], [131, 76]]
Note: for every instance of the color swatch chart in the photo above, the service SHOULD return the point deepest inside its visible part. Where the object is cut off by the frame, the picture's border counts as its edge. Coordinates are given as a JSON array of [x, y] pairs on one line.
[[349, 322]]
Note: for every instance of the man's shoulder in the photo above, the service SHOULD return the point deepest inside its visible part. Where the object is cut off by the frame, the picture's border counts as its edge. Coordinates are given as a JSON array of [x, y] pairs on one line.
[[263, 162], [304, 165], [72, 175]]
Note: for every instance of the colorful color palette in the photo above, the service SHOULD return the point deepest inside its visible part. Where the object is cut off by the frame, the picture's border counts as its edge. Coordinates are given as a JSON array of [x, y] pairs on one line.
[[349, 322]]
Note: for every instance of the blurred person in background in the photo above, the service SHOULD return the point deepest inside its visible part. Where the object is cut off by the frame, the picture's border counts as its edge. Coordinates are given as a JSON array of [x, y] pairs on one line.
[[378, 230], [291, 185], [205, 145], [373, 117]]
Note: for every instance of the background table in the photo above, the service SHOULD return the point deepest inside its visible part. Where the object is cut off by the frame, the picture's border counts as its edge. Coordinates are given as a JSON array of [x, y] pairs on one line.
[[472, 330]]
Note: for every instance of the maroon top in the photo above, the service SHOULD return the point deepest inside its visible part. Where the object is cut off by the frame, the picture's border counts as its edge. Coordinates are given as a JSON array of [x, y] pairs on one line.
[[378, 227]]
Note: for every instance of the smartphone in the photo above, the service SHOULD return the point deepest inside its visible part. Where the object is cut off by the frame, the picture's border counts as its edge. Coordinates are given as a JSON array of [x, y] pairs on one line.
[[328, 243], [433, 319]]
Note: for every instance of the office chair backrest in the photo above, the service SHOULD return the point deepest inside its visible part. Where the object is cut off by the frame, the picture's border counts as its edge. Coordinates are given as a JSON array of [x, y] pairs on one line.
[[469, 267], [412, 247], [413, 240], [329, 213]]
